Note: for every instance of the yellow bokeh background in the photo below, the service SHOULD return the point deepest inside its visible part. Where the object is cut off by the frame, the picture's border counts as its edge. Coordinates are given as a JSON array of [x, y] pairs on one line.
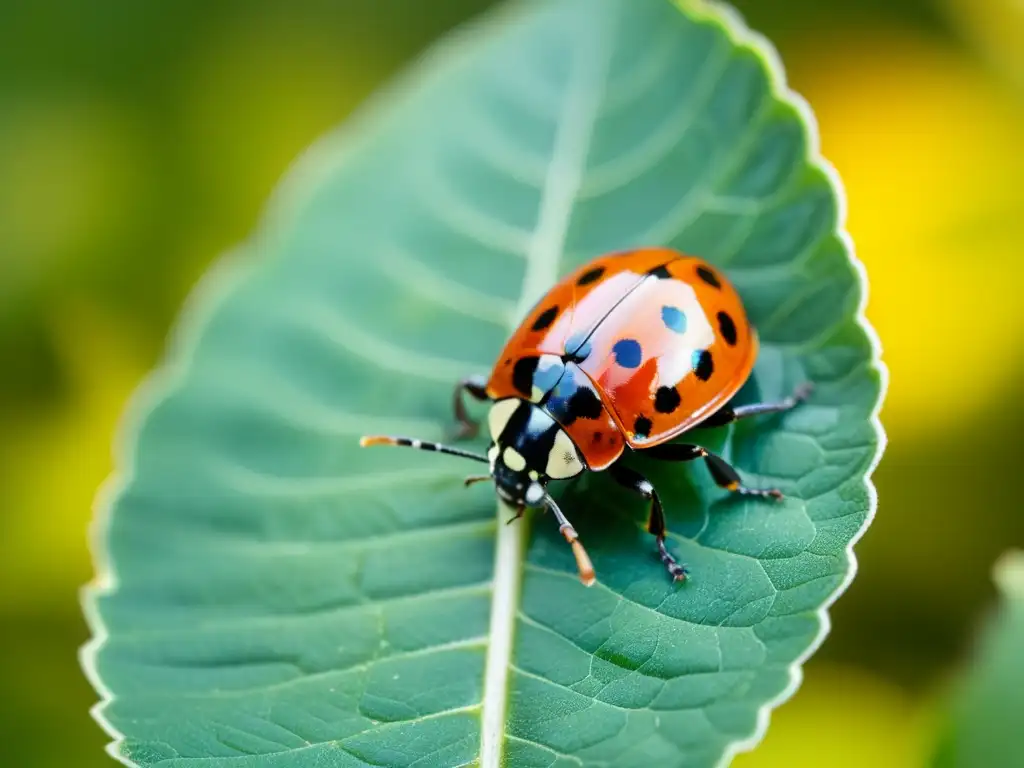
[[929, 148], [136, 146]]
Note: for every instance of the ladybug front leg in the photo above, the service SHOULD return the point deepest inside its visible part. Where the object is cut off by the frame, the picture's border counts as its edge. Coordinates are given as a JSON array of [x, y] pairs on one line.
[[724, 475], [476, 386], [656, 521], [583, 564]]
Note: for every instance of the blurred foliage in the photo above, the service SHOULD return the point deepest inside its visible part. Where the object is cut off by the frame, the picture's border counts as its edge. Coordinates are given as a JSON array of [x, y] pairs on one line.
[[985, 707], [876, 724], [138, 140]]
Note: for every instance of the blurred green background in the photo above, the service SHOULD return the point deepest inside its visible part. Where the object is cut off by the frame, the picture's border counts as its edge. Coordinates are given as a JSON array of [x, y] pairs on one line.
[[139, 140]]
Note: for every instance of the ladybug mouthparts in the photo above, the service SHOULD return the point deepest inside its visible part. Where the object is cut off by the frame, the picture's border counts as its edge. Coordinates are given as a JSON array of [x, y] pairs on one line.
[[517, 488]]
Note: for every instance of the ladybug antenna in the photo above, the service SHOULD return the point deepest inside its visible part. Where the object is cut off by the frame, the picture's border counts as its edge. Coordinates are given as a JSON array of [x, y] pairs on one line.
[[422, 445], [476, 479]]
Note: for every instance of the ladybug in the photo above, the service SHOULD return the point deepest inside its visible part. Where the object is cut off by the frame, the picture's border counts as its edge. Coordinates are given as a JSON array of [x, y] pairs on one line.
[[626, 353]]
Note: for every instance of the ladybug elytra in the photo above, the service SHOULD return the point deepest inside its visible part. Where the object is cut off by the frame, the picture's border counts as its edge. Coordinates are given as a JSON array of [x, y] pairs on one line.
[[627, 352]]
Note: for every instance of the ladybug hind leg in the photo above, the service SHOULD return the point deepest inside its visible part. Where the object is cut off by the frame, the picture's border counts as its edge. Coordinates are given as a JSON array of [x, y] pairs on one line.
[[634, 481], [476, 387], [729, 413]]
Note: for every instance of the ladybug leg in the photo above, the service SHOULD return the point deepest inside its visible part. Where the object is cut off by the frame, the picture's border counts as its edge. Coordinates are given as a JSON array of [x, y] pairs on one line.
[[724, 475], [729, 414], [519, 513], [583, 564], [633, 480], [476, 386]]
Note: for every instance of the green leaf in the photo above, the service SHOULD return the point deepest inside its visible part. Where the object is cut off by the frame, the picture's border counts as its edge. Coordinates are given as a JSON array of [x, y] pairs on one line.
[[985, 716], [273, 595]]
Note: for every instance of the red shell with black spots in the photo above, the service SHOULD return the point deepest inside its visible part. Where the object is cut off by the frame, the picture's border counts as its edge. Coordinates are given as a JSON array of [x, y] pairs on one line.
[[633, 348]]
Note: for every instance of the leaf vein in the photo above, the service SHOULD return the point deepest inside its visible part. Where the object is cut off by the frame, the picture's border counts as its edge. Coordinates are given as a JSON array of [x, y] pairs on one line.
[[631, 165], [419, 278]]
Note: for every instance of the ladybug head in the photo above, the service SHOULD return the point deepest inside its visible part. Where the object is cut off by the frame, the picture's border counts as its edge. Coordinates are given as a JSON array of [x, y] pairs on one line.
[[529, 448]]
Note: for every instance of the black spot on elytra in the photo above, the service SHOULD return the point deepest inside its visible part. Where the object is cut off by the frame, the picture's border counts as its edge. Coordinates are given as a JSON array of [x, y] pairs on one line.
[[545, 318], [666, 399], [585, 404], [590, 276], [708, 276], [642, 426], [582, 404], [628, 353], [727, 327], [660, 272], [597, 437], [522, 374], [703, 365]]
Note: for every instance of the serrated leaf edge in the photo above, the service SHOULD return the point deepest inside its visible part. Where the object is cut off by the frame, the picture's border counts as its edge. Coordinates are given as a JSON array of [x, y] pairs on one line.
[[732, 23]]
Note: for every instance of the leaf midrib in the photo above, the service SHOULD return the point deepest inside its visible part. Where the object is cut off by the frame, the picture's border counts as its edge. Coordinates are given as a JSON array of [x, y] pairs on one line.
[[563, 180]]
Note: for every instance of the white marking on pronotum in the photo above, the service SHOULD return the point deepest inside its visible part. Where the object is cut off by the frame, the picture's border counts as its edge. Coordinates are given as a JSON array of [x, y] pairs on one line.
[[499, 415], [564, 459], [561, 185]]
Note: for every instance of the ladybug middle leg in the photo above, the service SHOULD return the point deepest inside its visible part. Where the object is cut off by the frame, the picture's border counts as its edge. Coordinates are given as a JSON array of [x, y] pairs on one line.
[[724, 475], [476, 386], [656, 522]]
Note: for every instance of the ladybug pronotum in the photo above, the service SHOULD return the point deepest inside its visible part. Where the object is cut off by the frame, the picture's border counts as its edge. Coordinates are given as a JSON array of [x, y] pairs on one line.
[[627, 352]]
